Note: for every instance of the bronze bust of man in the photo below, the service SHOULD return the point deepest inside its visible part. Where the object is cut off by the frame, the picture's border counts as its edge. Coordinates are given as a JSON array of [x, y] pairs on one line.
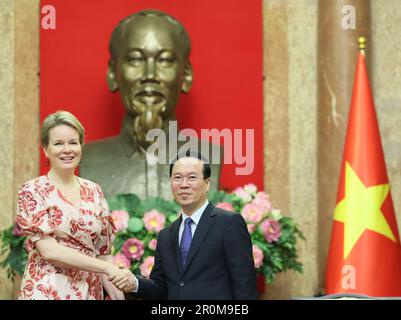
[[150, 66]]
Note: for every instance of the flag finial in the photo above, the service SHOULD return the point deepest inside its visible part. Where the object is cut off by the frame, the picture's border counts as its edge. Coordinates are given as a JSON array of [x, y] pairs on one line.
[[362, 44]]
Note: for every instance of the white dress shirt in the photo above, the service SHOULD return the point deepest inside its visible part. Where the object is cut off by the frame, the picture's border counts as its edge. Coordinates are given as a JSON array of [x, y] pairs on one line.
[[195, 218]]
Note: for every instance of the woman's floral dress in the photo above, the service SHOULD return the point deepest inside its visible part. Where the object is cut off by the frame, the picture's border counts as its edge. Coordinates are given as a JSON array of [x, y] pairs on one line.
[[43, 212]]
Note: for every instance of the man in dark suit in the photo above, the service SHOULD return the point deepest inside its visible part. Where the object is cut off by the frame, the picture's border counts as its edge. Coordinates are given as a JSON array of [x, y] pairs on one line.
[[207, 252]]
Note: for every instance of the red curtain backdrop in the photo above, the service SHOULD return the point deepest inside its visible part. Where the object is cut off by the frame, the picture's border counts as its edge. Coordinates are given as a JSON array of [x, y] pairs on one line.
[[226, 55]]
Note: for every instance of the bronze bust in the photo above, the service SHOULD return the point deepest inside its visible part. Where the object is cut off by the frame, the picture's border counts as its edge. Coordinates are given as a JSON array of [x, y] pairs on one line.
[[150, 66]]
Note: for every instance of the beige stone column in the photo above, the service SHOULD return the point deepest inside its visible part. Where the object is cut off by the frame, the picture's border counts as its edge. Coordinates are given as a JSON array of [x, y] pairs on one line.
[[7, 125], [26, 90], [19, 108], [290, 120], [338, 52]]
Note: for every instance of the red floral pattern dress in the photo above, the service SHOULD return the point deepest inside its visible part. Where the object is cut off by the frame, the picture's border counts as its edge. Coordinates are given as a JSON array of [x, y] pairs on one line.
[[43, 212]]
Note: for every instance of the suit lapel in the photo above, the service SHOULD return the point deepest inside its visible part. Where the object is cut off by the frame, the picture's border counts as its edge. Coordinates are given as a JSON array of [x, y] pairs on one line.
[[205, 222], [174, 244]]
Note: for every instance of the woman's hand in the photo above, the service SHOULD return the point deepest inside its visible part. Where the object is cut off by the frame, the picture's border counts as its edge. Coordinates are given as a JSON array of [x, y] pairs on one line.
[[113, 292]]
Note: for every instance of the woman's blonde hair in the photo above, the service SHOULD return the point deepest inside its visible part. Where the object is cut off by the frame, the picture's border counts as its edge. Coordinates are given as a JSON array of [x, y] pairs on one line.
[[60, 118]]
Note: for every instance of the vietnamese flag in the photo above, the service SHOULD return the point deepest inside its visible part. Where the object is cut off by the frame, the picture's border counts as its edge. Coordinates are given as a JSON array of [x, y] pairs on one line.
[[365, 251]]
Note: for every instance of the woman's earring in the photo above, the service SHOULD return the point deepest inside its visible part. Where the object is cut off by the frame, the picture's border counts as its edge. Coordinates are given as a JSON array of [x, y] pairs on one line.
[[47, 161]]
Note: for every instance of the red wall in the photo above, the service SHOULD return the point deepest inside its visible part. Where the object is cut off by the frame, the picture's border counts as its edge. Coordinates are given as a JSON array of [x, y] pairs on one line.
[[226, 55]]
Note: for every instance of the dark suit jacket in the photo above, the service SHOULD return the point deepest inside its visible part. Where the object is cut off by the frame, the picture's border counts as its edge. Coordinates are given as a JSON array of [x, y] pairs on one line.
[[219, 264]]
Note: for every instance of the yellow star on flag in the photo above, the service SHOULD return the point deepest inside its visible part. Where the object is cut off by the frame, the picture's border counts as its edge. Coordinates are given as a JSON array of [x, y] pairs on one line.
[[361, 209]]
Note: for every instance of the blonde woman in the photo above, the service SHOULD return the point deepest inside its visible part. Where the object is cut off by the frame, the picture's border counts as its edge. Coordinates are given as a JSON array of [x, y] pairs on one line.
[[67, 223]]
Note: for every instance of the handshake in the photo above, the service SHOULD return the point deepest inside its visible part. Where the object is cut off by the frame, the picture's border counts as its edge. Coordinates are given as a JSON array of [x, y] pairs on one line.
[[122, 278]]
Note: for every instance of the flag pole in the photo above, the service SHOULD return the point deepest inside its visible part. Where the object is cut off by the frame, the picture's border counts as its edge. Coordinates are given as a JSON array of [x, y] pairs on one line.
[[362, 45]]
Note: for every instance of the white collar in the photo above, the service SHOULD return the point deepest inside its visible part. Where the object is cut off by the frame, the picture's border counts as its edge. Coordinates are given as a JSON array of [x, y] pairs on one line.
[[197, 214]]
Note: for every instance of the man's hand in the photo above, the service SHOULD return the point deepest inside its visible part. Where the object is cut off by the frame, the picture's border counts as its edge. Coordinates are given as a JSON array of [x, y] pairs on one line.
[[131, 285], [126, 283], [117, 275]]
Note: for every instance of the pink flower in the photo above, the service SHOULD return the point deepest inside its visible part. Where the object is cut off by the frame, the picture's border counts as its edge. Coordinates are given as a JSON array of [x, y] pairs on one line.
[[120, 219], [152, 244], [257, 256], [146, 266], [252, 213], [262, 201], [17, 231], [154, 220], [121, 260], [262, 195], [242, 194], [225, 206], [133, 248], [271, 230], [251, 188], [251, 227]]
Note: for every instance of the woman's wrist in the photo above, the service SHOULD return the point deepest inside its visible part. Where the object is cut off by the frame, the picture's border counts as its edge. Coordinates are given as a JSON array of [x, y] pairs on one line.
[[110, 269]]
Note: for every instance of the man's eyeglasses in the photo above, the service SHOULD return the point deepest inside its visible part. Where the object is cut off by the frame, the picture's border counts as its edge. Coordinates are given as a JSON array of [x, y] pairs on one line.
[[191, 179]]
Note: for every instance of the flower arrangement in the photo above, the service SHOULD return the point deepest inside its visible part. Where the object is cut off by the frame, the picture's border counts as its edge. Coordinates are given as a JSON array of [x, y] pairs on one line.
[[138, 222], [274, 236]]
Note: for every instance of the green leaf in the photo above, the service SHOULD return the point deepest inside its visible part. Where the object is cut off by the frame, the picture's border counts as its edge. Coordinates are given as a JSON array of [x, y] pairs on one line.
[[119, 241], [216, 196], [135, 224], [128, 202], [163, 206], [172, 218]]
